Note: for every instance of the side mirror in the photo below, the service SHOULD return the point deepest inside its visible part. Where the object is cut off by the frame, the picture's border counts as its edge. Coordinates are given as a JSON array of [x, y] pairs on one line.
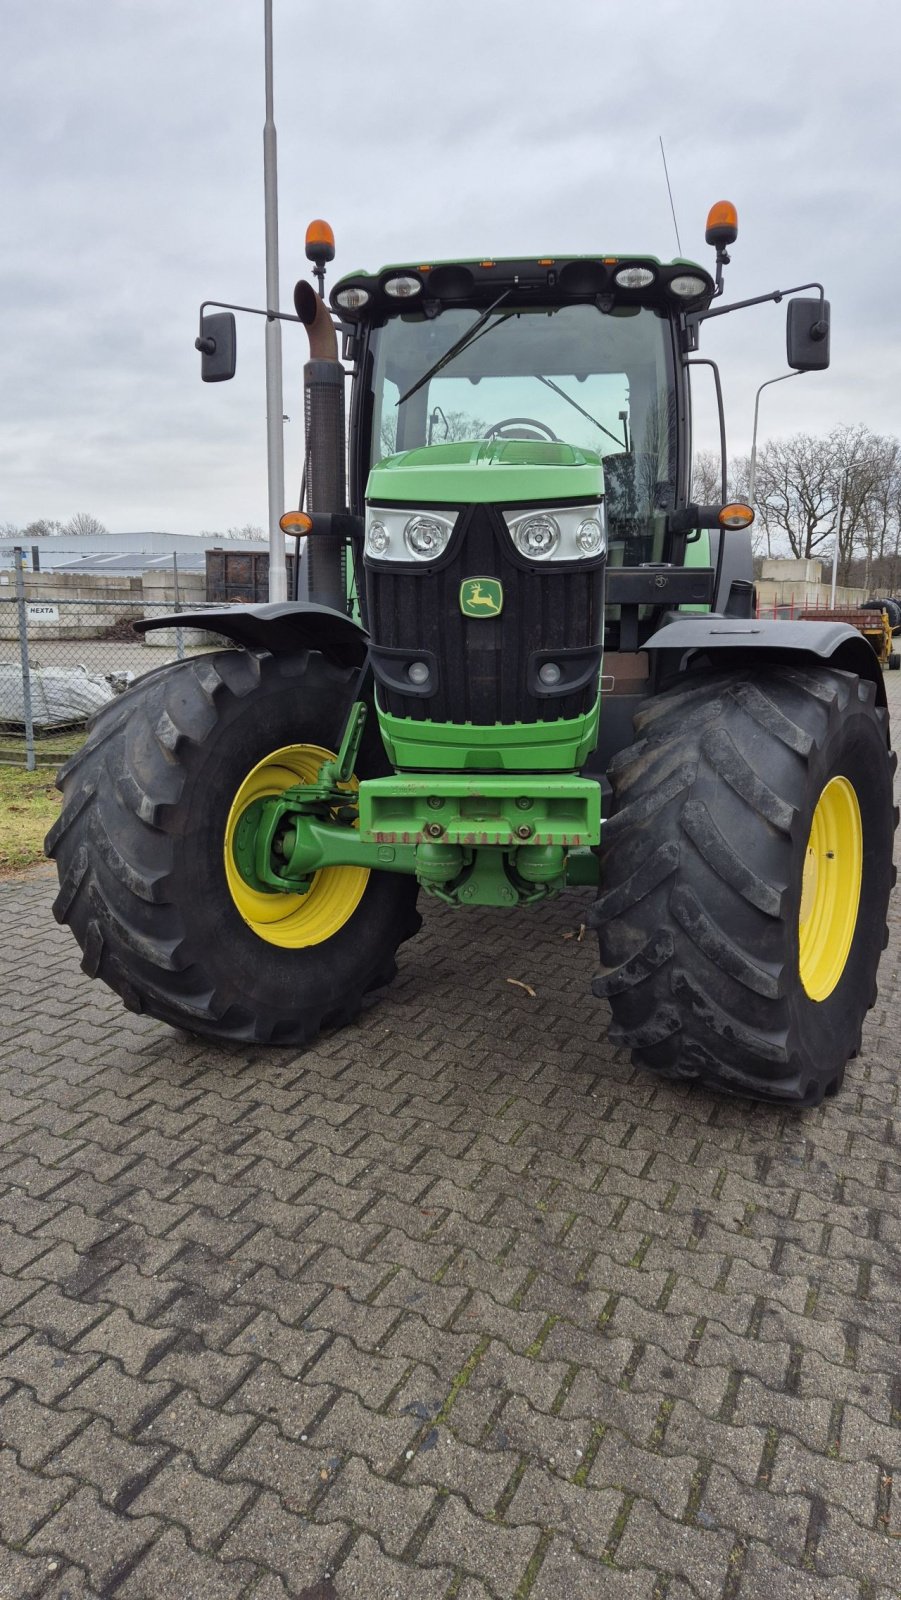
[[807, 335], [218, 346]]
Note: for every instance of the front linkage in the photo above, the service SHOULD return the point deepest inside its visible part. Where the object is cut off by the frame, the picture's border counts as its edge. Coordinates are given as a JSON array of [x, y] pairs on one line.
[[483, 839]]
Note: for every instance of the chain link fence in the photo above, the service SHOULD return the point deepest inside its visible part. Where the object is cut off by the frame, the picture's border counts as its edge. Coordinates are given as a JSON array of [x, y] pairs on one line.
[[66, 649]]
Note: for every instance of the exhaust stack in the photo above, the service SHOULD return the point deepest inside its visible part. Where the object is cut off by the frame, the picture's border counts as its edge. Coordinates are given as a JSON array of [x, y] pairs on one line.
[[323, 390]]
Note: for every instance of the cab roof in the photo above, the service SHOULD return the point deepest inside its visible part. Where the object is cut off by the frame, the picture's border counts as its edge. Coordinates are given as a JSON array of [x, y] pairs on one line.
[[558, 280]]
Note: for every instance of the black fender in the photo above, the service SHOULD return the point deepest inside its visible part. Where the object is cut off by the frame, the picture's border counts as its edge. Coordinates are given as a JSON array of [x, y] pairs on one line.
[[689, 643], [282, 627]]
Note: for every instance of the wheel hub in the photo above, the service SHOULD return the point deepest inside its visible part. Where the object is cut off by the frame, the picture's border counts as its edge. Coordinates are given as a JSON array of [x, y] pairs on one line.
[[830, 890]]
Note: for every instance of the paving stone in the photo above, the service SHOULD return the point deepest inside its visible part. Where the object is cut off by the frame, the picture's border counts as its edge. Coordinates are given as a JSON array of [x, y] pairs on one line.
[[26, 1500], [297, 1472], [300, 1552], [496, 1554], [370, 1574], [698, 1555], [208, 1436], [96, 1538], [48, 1370], [585, 1515], [567, 1574], [762, 1573], [98, 1456], [32, 1430], [445, 1462], [109, 1392], [22, 1576], [203, 1506], [392, 1511]]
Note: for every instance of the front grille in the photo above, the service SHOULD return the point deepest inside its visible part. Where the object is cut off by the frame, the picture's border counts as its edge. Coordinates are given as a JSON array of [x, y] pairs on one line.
[[482, 663]]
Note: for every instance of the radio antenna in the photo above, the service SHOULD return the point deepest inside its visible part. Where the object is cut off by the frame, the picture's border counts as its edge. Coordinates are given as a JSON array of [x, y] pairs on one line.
[[670, 193]]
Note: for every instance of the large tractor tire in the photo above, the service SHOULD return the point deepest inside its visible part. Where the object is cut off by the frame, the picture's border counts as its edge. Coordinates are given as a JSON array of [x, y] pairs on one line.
[[148, 882], [746, 871]]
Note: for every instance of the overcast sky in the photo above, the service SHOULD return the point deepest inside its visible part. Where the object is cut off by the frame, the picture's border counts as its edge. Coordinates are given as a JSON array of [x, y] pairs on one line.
[[131, 160]]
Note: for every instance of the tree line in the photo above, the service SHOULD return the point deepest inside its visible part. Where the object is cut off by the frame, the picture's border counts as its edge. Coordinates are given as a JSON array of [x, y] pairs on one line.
[[84, 525], [813, 490]]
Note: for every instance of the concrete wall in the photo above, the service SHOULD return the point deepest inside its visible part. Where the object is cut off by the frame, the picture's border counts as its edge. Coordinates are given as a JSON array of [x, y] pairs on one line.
[[88, 606]]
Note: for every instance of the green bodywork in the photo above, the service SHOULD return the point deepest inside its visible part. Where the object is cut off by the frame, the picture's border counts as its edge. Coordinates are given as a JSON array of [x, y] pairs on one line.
[[490, 472], [494, 747]]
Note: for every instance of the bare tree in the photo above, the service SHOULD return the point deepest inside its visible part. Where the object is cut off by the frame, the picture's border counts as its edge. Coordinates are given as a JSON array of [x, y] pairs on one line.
[[459, 425], [42, 528], [250, 530], [83, 525], [706, 478]]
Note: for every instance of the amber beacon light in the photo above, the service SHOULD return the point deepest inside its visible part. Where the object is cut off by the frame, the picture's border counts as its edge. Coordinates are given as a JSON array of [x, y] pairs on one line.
[[722, 224]]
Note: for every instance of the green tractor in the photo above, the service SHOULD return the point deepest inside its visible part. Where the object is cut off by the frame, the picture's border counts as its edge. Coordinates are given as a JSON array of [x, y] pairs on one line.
[[516, 622]]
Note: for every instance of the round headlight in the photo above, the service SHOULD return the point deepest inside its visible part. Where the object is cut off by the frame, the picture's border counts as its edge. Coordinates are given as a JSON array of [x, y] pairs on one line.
[[402, 288], [418, 672], [352, 299], [537, 537], [590, 536], [550, 674], [377, 539], [426, 537], [687, 286], [634, 277]]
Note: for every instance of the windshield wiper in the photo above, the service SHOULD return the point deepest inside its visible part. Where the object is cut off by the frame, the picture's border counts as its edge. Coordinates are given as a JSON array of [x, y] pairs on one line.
[[458, 345], [576, 407]]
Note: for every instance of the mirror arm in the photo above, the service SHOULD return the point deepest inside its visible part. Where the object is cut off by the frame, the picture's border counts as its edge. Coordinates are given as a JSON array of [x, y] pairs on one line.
[[694, 318]]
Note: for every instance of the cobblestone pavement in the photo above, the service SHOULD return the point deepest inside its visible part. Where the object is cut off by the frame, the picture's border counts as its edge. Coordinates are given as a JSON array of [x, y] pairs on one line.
[[454, 1305]]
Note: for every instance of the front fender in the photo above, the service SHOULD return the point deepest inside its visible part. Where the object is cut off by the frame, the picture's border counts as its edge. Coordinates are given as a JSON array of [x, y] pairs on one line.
[[282, 627], [692, 642]]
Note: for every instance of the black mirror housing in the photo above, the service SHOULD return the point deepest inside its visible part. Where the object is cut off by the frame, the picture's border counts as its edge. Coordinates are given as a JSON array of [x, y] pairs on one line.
[[217, 344], [807, 335]]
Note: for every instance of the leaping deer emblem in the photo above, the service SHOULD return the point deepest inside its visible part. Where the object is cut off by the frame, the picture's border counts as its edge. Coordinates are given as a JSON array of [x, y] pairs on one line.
[[475, 597]]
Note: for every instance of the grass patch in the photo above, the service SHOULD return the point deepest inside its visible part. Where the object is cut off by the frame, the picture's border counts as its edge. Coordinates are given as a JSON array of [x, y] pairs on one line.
[[50, 749], [29, 804]]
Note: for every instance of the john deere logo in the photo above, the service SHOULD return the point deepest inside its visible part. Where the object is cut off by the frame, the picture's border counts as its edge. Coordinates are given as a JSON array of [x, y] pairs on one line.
[[481, 597]]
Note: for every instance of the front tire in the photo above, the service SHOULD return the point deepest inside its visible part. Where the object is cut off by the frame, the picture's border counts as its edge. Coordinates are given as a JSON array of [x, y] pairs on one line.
[[146, 884], [746, 872]]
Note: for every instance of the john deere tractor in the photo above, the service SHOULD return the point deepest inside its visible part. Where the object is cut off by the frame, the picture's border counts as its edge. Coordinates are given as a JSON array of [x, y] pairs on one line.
[[521, 657]]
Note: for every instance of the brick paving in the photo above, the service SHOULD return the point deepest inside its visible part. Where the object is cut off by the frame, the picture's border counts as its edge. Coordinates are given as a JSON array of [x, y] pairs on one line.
[[454, 1306]]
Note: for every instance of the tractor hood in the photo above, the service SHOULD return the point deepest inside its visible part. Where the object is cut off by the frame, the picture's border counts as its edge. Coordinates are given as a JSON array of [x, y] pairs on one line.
[[488, 472]]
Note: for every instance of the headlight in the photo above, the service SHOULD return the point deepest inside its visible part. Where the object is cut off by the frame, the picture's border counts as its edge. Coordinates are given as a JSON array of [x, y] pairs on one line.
[[426, 537], [536, 536], [402, 534], [687, 286], [568, 533]]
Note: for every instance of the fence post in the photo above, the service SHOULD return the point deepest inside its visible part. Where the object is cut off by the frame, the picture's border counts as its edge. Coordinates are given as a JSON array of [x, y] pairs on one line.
[[23, 657], [179, 633]]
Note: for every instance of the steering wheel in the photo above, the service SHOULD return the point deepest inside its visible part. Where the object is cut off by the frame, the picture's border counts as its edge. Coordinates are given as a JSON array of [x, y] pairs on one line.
[[538, 430]]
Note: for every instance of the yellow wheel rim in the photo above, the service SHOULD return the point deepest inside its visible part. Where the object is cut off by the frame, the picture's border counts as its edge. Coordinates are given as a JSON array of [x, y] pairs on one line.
[[293, 921], [830, 893]]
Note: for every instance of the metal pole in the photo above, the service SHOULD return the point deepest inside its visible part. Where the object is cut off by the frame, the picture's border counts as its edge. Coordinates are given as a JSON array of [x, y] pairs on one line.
[[23, 657], [179, 632], [275, 428], [838, 531], [752, 475]]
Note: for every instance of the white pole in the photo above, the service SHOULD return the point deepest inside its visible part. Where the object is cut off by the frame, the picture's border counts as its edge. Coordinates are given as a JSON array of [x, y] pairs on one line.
[[838, 529], [275, 429]]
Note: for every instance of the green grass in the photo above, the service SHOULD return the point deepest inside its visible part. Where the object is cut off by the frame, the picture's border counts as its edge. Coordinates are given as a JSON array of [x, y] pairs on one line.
[[30, 801]]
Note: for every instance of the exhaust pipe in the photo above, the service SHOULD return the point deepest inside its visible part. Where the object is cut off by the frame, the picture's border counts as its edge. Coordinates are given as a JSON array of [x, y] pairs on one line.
[[323, 388]]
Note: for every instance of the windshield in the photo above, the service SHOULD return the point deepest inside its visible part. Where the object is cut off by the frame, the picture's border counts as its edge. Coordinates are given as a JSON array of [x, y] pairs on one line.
[[600, 381]]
